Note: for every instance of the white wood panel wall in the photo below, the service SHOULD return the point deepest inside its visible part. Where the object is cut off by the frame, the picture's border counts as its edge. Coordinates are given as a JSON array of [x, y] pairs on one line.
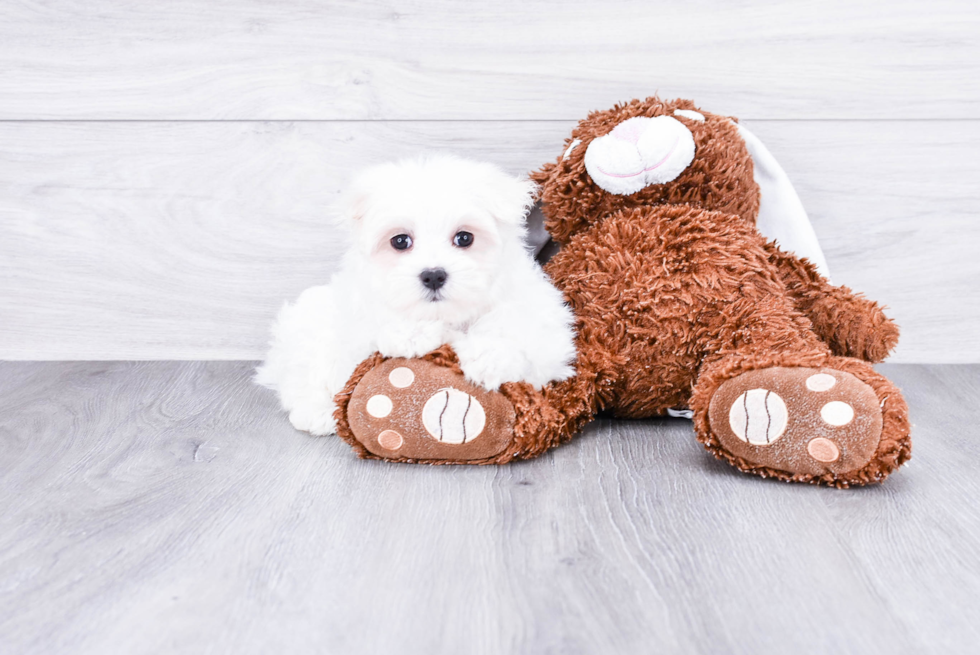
[[165, 168], [506, 59]]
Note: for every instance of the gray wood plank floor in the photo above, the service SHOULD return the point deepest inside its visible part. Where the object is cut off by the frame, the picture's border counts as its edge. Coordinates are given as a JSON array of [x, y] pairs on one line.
[[169, 507]]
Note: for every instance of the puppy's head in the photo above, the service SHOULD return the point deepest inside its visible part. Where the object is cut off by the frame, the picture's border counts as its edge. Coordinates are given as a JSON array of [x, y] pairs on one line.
[[434, 234]]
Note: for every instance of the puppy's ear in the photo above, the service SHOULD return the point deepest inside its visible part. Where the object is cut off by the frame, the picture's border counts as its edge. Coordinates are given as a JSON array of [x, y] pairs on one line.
[[508, 198], [356, 201]]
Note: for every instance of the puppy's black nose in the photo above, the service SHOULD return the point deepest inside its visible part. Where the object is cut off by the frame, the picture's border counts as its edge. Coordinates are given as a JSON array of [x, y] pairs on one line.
[[433, 278]]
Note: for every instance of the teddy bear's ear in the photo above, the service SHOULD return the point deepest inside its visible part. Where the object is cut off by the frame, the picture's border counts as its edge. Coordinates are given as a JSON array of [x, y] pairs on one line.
[[781, 214]]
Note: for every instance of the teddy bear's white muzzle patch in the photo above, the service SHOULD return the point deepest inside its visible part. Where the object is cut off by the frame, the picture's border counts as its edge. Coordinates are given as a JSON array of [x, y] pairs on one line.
[[639, 152]]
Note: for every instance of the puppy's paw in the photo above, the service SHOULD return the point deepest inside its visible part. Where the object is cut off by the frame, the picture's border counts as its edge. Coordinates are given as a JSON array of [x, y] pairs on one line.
[[410, 340], [491, 362], [316, 419]]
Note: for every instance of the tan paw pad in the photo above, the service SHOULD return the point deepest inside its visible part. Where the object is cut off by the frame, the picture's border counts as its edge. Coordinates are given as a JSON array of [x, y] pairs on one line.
[[823, 450], [390, 440]]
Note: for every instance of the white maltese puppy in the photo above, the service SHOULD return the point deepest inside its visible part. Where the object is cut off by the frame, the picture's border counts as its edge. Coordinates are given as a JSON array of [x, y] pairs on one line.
[[437, 256]]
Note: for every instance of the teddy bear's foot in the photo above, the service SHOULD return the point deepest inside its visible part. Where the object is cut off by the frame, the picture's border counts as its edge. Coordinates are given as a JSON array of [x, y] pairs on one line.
[[807, 424], [413, 410]]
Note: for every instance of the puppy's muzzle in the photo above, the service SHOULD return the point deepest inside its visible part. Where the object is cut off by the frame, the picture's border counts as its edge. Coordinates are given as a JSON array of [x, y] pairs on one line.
[[433, 278]]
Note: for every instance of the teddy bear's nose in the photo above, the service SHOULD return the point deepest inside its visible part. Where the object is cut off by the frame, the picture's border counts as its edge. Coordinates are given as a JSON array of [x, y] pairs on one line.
[[433, 278], [638, 152], [629, 130]]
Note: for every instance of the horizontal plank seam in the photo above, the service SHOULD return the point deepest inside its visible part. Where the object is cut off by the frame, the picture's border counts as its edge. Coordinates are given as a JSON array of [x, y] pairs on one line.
[[63, 121], [256, 362]]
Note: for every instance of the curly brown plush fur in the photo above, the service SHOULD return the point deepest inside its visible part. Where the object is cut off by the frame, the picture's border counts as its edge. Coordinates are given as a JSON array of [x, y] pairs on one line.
[[676, 292]]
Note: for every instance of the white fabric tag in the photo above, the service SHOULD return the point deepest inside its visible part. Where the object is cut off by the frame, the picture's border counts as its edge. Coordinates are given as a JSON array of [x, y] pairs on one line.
[[536, 237], [781, 214]]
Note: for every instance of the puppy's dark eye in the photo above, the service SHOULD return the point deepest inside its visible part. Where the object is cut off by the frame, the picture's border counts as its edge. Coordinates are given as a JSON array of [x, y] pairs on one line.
[[401, 242], [463, 239]]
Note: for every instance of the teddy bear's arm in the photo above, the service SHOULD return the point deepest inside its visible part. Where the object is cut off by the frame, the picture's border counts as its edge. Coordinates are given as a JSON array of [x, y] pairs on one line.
[[852, 325]]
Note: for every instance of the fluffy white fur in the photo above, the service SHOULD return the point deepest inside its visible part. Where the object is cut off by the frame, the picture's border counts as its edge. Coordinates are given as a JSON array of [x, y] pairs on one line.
[[498, 309]]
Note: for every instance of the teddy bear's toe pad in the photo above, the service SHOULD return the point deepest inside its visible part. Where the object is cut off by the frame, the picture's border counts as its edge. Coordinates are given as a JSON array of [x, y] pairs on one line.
[[800, 420], [412, 409]]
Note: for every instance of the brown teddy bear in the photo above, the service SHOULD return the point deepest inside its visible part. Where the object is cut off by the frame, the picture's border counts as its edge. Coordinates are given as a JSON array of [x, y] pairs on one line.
[[680, 303]]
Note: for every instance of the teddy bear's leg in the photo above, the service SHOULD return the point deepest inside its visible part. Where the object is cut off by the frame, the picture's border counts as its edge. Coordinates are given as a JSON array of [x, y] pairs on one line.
[[775, 402], [849, 323], [424, 410]]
